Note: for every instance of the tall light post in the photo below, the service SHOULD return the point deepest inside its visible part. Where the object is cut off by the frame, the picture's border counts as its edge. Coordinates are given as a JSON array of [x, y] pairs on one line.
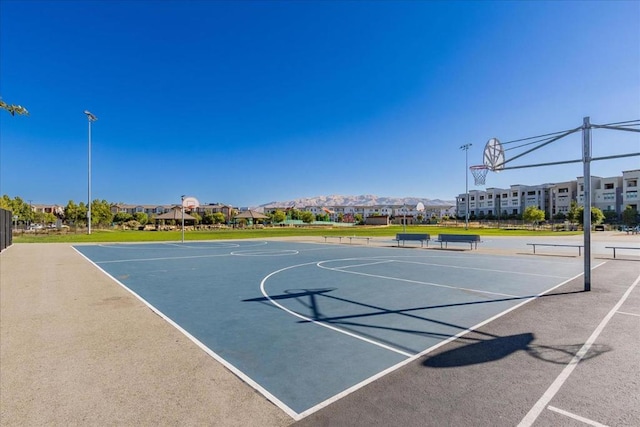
[[182, 206], [90, 118], [465, 147]]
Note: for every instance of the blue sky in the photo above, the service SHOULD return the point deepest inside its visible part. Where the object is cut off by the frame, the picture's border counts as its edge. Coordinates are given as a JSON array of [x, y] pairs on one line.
[[250, 102]]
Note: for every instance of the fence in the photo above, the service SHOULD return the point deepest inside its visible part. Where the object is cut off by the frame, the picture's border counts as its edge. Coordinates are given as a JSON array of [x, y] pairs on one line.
[[6, 233]]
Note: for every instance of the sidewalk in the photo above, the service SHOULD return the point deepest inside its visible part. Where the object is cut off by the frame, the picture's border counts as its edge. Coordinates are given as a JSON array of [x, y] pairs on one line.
[[77, 349]]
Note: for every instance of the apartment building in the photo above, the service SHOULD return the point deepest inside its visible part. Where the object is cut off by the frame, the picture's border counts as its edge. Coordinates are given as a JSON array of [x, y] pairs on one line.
[[57, 210], [133, 209], [630, 181], [607, 194]]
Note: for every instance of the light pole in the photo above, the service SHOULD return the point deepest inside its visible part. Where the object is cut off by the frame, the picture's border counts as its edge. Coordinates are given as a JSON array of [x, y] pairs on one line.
[[465, 147], [182, 206], [404, 220], [90, 118]]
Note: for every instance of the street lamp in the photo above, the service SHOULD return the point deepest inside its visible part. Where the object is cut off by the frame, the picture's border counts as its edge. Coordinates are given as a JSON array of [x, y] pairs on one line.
[[90, 118], [182, 206], [465, 147]]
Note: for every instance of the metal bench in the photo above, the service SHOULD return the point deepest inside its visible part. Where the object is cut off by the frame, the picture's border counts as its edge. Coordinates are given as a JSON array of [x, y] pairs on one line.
[[621, 247], [347, 237], [472, 239], [556, 244], [422, 237]]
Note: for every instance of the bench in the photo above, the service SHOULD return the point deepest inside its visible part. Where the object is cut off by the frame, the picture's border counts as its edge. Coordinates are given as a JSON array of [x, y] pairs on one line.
[[621, 247], [472, 239], [421, 237], [556, 244], [346, 237]]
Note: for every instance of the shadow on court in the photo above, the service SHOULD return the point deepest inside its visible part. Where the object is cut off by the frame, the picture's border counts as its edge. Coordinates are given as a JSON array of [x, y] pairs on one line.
[[496, 348], [475, 352]]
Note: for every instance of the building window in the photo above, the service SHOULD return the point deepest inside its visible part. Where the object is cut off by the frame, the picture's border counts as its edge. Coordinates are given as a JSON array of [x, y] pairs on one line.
[[608, 186]]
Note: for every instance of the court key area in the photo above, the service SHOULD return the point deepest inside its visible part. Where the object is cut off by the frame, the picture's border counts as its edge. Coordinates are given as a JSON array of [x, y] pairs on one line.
[[308, 323]]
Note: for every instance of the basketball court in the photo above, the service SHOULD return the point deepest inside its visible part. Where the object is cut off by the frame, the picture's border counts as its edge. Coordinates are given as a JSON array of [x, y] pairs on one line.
[[308, 323]]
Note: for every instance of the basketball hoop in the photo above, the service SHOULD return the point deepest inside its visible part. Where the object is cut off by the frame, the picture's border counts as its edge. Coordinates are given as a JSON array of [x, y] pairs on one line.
[[190, 203], [479, 173], [494, 155]]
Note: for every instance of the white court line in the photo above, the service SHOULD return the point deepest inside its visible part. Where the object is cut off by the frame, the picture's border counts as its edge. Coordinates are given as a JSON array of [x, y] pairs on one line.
[[576, 417], [429, 350], [324, 325], [628, 314], [161, 258], [338, 396], [493, 270], [364, 264], [293, 414], [537, 409], [418, 282]]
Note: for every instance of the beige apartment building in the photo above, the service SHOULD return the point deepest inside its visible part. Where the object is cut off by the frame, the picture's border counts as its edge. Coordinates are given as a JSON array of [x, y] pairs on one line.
[[611, 194]]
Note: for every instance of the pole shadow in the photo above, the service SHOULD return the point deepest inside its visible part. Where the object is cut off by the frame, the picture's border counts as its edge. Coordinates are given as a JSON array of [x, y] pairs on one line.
[[493, 349]]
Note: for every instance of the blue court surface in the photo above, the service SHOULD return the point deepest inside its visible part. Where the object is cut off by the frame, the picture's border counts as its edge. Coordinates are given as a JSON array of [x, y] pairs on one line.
[[306, 323]]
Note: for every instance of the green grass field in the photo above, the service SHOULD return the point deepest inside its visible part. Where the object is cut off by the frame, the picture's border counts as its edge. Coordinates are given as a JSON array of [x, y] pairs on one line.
[[265, 233]]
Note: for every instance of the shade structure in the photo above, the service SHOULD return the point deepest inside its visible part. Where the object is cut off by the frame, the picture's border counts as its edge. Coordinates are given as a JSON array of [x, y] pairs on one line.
[[249, 214], [174, 214]]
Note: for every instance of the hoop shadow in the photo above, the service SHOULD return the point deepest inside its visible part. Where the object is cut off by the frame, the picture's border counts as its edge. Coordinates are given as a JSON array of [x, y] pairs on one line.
[[497, 348]]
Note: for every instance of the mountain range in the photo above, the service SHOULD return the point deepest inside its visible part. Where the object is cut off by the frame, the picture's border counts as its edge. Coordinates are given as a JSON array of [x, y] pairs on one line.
[[362, 200]]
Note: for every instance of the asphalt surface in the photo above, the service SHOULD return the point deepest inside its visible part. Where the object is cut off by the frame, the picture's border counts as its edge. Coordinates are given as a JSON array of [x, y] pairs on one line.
[[77, 349]]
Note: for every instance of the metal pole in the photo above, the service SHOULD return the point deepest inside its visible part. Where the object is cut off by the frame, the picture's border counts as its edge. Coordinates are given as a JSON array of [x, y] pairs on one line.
[[586, 159], [89, 183], [182, 204], [404, 221], [465, 147], [90, 118]]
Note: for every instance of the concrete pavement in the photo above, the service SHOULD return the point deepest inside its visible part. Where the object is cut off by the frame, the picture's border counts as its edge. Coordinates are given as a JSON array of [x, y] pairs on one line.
[[77, 349]]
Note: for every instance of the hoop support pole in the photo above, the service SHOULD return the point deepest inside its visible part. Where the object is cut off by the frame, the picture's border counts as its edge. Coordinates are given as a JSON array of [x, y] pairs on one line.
[[586, 156]]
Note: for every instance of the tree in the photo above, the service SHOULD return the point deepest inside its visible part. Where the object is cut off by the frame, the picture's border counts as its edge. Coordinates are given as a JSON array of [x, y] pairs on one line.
[[307, 217], [14, 109], [359, 219], [630, 216], [19, 208], [122, 217], [560, 216], [596, 215], [196, 215], [573, 215], [218, 218], [75, 214], [44, 218], [610, 216], [295, 213], [101, 214], [141, 217], [278, 216], [533, 215]]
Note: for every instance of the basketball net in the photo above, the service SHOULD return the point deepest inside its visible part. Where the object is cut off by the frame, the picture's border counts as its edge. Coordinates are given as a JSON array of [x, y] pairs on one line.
[[479, 173]]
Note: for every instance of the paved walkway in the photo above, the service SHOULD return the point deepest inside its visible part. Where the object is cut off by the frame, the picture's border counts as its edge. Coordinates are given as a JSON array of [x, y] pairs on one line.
[[76, 349]]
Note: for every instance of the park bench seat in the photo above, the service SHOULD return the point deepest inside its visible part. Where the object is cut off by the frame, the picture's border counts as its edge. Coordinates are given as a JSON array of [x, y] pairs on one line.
[[421, 237], [472, 239]]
